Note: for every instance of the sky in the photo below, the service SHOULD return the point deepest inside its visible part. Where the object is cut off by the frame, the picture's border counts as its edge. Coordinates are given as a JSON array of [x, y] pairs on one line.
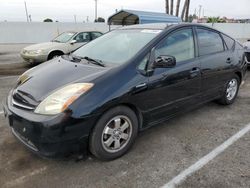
[[64, 10]]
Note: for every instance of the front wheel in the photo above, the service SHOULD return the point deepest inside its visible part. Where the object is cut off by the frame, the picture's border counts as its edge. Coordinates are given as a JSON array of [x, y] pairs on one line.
[[114, 133], [230, 91]]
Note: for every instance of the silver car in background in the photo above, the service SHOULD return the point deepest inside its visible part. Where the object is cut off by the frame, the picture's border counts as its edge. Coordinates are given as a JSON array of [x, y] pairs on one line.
[[62, 44]]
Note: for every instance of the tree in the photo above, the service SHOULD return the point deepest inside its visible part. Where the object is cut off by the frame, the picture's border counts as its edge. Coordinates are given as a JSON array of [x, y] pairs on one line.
[[48, 20], [177, 7], [184, 10], [167, 6], [172, 7], [187, 10], [215, 20], [100, 19]]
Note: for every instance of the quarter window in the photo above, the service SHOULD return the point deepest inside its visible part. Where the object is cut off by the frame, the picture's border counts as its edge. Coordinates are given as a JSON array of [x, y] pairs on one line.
[[179, 44], [229, 42], [209, 42], [95, 35]]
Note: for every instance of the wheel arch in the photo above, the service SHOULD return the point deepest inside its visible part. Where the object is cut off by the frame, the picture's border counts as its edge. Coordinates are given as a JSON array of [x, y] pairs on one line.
[[239, 74], [55, 51]]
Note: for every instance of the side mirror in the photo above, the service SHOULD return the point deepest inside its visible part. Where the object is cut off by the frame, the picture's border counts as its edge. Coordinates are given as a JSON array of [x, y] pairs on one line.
[[164, 61], [73, 42]]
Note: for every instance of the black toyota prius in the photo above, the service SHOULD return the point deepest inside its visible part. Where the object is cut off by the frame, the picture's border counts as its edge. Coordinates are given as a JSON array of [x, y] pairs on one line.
[[98, 98]]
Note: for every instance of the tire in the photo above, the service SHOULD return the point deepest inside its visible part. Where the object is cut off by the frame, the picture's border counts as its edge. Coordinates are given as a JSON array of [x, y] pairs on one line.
[[226, 99], [53, 55], [105, 136]]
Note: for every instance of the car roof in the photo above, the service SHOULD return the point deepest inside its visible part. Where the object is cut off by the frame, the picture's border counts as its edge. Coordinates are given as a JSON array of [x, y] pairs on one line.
[[80, 31], [162, 26]]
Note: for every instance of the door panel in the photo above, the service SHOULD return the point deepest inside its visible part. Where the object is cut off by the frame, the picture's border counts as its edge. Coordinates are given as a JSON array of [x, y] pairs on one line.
[[216, 61], [173, 89]]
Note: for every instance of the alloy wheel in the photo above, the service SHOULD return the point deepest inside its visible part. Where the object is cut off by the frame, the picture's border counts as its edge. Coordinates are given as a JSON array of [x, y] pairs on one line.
[[116, 134], [231, 89]]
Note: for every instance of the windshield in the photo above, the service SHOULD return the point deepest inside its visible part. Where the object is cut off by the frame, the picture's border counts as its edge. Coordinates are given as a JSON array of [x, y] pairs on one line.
[[64, 37], [118, 46]]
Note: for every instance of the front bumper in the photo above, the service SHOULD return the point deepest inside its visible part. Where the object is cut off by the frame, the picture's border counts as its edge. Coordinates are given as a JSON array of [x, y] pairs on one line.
[[49, 136], [38, 58]]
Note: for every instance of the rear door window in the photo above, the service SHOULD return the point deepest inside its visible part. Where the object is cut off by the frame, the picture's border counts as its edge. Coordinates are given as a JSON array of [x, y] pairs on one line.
[[209, 42], [82, 37]]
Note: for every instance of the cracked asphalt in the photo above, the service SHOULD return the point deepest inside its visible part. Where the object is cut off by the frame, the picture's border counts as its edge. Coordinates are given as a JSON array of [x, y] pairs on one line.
[[159, 154]]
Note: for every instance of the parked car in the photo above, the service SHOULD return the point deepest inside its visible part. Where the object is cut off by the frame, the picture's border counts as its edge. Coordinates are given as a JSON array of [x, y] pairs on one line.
[[102, 95], [247, 51], [62, 44]]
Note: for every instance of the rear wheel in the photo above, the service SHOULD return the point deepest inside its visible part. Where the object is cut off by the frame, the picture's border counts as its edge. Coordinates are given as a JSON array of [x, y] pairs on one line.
[[114, 133], [230, 91]]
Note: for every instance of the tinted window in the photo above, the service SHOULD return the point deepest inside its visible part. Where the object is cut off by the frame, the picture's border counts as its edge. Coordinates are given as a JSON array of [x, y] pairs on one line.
[[179, 44], [209, 42], [82, 37], [95, 35], [229, 42]]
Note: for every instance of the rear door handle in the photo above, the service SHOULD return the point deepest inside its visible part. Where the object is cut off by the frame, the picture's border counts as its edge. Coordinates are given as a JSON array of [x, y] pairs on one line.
[[229, 60], [195, 70]]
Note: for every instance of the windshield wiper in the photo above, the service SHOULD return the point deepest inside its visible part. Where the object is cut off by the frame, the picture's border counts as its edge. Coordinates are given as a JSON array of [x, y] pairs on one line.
[[90, 60], [94, 61], [56, 41]]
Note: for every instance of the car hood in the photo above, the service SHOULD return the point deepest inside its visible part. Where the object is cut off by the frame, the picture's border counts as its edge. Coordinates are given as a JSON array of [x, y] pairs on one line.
[[37, 83], [44, 46]]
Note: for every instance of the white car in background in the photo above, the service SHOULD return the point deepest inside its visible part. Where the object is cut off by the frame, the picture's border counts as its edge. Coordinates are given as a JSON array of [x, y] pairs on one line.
[[62, 44], [247, 51]]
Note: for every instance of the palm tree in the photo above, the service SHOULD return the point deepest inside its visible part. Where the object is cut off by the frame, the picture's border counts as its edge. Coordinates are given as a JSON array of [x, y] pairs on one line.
[[167, 6], [187, 10], [177, 7], [172, 7], [184, 10]]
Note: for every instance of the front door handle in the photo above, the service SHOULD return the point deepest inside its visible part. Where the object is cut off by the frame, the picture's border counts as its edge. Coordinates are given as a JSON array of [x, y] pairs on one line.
[[141, 85], [139, 88]]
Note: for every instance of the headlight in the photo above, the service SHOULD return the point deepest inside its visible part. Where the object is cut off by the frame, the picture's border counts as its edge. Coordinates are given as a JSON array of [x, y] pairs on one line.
[[35, 52], [60, 100]]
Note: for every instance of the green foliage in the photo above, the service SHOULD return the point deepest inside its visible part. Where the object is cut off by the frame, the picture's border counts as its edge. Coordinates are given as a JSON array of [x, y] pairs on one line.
[[48, 20], [215, 20], [100, 19]]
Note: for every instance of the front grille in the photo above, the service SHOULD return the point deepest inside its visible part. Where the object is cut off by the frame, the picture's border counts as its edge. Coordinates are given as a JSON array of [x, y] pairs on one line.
[[17, 104], [23, 101], [248, 56], [24, 140]]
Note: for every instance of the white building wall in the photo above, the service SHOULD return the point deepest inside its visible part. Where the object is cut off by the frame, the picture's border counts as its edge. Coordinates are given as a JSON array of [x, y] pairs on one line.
[[35, 32]]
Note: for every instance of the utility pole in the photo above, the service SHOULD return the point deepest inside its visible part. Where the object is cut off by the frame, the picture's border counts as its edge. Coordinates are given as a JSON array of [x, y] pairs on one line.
[[75, 18], [200, 6], [95, 9], [27, 16], [30, 18]]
